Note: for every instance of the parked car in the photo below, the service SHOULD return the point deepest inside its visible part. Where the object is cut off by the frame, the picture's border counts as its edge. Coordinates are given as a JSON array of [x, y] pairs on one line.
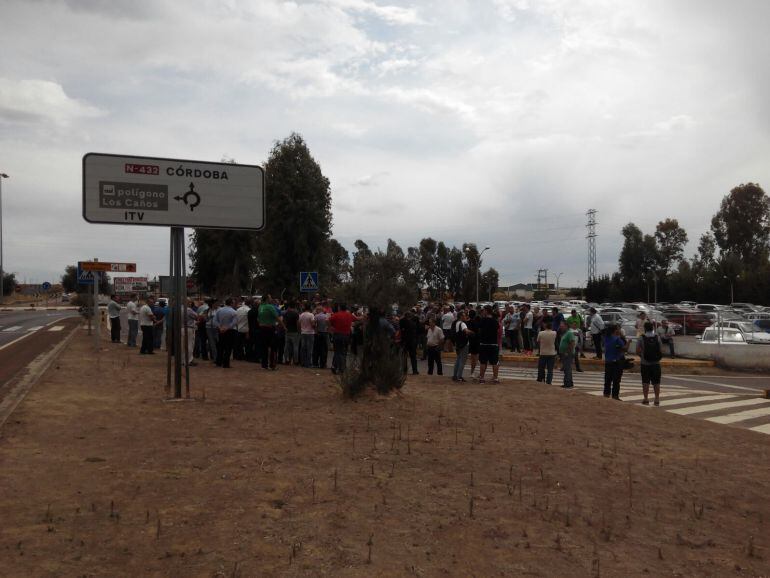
[[708, 307], [693, 322], [628, 324], [762, 325], [757, 316], [724, 335], [751, 333], [747, 307]]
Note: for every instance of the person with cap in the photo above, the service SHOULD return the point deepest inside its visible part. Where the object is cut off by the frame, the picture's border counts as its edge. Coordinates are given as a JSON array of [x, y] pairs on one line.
[[596, 329]]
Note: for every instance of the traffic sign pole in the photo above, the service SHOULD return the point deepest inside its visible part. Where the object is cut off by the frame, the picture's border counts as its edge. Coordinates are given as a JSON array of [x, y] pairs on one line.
[[96, 313]]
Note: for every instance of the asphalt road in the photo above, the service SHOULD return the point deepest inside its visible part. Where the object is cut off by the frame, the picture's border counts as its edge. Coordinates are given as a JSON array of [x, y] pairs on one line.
[[16, 324], [24, 335]]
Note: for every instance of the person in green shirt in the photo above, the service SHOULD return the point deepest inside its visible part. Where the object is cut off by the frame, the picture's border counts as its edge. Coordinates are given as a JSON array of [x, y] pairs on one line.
[[267, 317], [577, 319], [567, 352]]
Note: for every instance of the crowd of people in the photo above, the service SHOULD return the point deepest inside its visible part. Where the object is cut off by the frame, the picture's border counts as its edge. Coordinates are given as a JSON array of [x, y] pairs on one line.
[[272, 333]]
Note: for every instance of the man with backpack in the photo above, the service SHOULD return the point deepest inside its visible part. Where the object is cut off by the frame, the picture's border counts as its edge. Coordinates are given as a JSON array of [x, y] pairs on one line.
[[650, 351], [460, 331]]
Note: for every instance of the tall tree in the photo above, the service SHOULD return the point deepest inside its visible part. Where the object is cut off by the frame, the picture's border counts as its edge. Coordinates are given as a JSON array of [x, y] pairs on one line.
[[671, 240], [472, 268], [339, 262], [223, 262], [742, 224], [9, 283], [630, 262], [489, 281], [299, 216], [706, 256], [456, 272], [427, 250]]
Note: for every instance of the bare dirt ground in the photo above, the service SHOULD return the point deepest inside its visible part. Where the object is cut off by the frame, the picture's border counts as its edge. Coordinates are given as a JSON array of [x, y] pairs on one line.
[[275, 475]]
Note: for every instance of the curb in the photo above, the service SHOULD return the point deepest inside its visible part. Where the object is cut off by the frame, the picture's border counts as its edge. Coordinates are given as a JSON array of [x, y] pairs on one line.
[[36, 370]]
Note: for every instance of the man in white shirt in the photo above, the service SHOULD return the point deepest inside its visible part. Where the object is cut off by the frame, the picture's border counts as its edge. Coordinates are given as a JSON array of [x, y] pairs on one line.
[[242, 325], [132, 310], [596, 329], [546, 340], [434, 340], [113, 311], [666, 334], [147, 323], [307, 335], [447, 320], [529, 318], [191, 322]]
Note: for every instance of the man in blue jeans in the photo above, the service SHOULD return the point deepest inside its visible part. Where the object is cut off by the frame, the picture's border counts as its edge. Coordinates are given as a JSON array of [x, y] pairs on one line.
[[567, 351], [460, 332], [546, 340]]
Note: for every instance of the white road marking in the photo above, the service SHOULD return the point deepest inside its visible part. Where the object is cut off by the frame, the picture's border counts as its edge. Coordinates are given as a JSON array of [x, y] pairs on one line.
[[718, 406], [765, 429], [728, 386], [684, 400], [23, 336], [37, 328], [56, 328], [741, 416], [11, 329]]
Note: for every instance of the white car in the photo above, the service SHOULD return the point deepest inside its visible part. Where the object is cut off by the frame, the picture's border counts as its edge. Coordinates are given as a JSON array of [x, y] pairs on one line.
[[751, 333], [727, 336]]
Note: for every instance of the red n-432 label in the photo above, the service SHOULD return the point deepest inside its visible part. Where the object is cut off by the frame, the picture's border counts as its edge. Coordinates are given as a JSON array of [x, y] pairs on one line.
[[143, 169]]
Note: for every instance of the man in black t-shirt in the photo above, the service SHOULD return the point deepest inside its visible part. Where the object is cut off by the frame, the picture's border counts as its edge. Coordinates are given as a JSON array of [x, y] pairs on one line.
[[290, 322], [489, 350], [408, 328]]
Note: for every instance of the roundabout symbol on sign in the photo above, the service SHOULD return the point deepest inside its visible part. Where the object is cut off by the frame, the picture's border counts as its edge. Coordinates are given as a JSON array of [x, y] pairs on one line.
[[194, 198]]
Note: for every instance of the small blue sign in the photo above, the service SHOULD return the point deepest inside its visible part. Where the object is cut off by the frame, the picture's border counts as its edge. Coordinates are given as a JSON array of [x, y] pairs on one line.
[[86, 277], [45, 286], [308, 281]]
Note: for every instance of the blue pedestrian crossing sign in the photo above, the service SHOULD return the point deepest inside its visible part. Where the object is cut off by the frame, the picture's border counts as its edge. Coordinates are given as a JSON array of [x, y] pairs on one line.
[[86, 277], [308, 281]]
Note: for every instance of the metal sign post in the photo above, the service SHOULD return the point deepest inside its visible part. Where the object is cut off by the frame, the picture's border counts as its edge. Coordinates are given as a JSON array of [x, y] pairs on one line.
[[96, 313], [132, 190], [178, 356]]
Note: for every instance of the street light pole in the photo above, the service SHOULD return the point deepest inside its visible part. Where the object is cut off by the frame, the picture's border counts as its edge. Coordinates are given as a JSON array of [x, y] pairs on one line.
[[478, 272], [557, 281], [2, 271]]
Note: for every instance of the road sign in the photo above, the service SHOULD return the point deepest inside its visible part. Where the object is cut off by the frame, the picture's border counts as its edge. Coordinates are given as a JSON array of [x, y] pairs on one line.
[[46, 286], [86, 277], [108, 267], [130, 284], [166, 284], [308, 281], [130, 190]]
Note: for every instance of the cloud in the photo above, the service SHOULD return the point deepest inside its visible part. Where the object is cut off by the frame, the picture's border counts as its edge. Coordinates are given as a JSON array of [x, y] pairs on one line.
[[489, 121], [31, 101], [388, 13]]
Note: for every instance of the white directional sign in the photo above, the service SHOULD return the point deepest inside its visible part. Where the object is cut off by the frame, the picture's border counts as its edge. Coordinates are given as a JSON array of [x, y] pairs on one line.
[[171, 192], [130, 284]]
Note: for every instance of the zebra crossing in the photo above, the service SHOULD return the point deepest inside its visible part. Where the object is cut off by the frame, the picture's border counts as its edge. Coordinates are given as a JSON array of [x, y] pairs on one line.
[[21, 329], [740, 407]]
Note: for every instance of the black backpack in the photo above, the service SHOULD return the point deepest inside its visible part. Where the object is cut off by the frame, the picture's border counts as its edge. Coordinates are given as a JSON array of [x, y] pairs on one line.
[[460, 337], [651, 351]]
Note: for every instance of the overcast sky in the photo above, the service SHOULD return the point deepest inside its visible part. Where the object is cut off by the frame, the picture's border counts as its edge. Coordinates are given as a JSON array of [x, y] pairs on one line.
[[499, 122]]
